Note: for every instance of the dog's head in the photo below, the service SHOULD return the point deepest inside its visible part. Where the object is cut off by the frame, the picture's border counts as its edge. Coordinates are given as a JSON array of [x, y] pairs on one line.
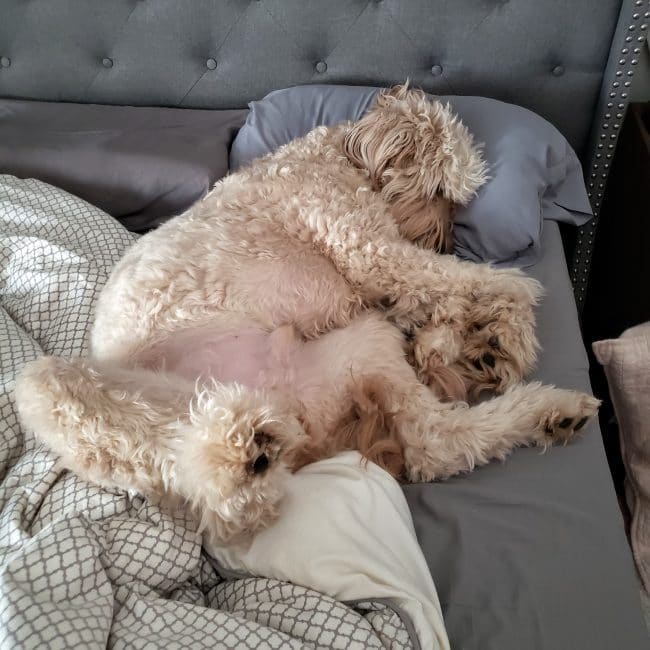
[[422, 159]]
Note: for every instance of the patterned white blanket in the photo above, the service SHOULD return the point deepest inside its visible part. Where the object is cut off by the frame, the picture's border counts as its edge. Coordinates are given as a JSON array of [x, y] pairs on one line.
[[82, 566]]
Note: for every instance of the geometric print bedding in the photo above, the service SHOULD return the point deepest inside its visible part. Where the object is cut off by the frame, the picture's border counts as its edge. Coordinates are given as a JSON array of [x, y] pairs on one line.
[[86, 567]]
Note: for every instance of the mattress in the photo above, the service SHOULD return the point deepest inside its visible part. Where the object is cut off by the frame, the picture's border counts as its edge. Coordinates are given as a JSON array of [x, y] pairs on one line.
[[531, 554]]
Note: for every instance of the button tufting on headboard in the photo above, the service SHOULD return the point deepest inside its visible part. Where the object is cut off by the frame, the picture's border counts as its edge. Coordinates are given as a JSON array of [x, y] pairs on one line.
[[558, 70], [5, 61], [163, 50]]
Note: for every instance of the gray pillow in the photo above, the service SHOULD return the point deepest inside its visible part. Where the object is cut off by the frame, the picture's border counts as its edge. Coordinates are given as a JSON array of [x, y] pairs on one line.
[[141, 165], [535, 174]]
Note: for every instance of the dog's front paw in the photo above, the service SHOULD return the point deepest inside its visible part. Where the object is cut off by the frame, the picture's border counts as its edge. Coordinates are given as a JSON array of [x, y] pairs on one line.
[[436, 345], [500, 345], [567, 413], [432, 352]]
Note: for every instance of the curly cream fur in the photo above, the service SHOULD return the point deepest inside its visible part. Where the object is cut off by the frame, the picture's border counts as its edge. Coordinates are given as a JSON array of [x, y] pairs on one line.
[[304, 270]]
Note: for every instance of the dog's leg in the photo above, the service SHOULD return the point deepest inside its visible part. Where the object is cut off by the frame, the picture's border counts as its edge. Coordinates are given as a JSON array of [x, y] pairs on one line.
[[220, 449], [444, 299], [494, 349], [415, 284], [457, 438], [100, 423], [362, 370]]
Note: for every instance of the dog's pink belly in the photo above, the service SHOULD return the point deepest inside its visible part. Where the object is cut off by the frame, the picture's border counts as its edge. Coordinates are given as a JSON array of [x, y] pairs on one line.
[[248, 356]]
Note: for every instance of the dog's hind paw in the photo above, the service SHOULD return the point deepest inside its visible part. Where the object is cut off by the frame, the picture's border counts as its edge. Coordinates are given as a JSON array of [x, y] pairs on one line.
[[566, 416], [233, 457]]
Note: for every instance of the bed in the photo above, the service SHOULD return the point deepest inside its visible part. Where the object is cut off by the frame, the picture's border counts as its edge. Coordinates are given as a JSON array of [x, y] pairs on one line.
[[526, 554], [540, 539]]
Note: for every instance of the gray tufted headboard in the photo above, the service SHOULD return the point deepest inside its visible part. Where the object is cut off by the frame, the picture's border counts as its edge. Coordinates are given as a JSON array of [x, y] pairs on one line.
[[564, 59]]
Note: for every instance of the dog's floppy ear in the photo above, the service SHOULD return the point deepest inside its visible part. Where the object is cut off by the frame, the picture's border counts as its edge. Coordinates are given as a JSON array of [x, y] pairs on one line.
[[456, 166], [408, 135]]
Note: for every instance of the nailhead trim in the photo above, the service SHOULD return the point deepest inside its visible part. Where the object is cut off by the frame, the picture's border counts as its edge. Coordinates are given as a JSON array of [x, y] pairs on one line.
[[581, 262]]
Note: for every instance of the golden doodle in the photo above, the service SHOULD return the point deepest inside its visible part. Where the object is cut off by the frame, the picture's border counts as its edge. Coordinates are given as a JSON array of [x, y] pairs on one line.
[[303, 307]]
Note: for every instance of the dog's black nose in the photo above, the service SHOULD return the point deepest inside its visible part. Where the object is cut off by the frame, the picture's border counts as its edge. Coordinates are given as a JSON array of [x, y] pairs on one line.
[[261, 464], [489, 360]]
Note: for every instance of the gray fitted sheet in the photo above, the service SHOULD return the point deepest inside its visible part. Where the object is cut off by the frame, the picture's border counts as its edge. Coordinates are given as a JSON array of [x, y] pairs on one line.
[[531, 553]]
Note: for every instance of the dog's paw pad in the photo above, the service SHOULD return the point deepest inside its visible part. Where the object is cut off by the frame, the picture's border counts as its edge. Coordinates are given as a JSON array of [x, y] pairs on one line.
[[581, 423], [264, 450], [569, 416], [260, 464]]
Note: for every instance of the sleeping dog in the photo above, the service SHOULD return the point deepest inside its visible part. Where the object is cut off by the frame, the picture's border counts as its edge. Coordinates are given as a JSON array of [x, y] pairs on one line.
[[264, 329]]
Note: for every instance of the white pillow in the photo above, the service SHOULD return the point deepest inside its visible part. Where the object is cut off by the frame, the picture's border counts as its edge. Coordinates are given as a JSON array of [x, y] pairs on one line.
[[345, 530]]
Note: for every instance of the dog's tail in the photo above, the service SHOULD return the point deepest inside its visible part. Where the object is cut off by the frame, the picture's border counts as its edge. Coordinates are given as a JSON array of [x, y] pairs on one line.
[[447, 384], [367, 427]]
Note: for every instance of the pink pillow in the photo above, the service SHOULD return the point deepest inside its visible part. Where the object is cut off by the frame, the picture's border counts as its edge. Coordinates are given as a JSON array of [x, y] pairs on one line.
[[626, 361]]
